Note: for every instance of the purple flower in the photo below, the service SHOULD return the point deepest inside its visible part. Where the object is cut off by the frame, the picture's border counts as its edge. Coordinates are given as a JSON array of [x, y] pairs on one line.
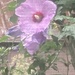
[[32, 43], [35, 15], [34, 18]]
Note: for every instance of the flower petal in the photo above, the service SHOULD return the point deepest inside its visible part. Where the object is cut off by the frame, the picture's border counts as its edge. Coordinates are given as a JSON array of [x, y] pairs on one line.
[[36, 4], [32, 47], [39, 37], [49, 8], [27, 27], [14, 31], [24, 10], [33, 42]]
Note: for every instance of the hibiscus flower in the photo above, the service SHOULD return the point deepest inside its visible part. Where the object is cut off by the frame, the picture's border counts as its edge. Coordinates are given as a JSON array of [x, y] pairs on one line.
[[34, 17]]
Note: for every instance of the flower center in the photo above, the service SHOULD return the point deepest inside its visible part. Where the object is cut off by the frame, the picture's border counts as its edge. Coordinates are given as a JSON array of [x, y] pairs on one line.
[[37, 17]]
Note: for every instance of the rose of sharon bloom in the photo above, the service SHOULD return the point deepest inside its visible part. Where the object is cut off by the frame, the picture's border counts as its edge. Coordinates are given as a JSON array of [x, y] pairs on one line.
[[35, 15], [34, 18]]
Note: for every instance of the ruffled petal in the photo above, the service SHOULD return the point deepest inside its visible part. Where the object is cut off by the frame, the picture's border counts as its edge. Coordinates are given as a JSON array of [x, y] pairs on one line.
[[36, 4], [24, 10], [49, 9]]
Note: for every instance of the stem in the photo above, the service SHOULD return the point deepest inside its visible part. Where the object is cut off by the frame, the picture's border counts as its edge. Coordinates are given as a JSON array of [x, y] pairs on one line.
[[70, 47], [66, 43], [50, 65], [72, 51], [67, 63]]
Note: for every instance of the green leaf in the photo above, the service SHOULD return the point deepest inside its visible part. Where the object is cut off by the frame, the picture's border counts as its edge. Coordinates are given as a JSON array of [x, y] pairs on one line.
[[38, 62], [21, 46], [26, 54], [55, 39], [20, 1], [67, 31], [48, 45], [11, 6], [51, 58], [6, 71], [32, 67], [13, 18], [61, 17], [3, 38]]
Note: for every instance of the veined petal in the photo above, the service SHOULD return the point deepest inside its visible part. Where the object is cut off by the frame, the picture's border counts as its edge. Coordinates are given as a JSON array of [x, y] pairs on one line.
[[24, 10], [49, 8], [27, 27], [36, 4]]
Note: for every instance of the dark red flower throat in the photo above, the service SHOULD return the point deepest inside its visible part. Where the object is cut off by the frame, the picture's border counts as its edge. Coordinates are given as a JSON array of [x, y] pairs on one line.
[[37, 17]]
